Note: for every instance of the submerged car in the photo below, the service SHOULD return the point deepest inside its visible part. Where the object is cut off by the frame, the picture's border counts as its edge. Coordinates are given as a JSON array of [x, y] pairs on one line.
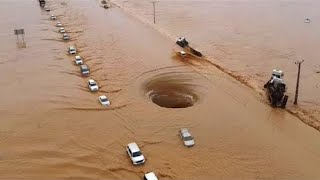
[[104, 100], [62, 30], [92, 84], [66, 36], [53, 17], [135, 154], [46, 8], [78, 60], [150, 176], [186, 137], [72, 50], [59, 24]]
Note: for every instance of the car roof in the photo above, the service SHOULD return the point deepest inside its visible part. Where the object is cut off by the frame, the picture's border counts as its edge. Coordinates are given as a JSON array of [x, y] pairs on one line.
[[72, 47], [186, 134], [184, 130], [133, 147], [151, 176], [103, 97], [84, 66]]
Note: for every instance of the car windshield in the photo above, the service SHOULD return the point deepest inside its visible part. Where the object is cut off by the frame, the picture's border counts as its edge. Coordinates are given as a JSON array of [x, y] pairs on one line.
[[136, 154], [104, 100], [93, 84], [188, 138]]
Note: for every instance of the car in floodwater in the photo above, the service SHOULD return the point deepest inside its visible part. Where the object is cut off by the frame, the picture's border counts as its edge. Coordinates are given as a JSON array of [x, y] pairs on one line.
[[66, 36], [46, 8], [182, 53], [135, 154], [150, 176], [53, 17], [72, 50], [182, 42], [104, 101], [84, 70], [78, 60], [59, 24], [93, 86], [186, 137], [62, 30]]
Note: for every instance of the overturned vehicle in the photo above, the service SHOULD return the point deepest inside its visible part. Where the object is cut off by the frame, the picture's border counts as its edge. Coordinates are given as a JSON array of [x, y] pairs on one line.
[[276, 89]]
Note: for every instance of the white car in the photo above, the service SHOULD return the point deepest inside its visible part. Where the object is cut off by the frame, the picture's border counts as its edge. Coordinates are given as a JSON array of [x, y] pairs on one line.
[[53, 17], [104, 100], [46, 8], [150, 176], [135, 154], [84, 69], [78, 60], [62, 30], [186, 137], [92, 84], [72, 50], [66, 36], [182, 53], [59, 24]]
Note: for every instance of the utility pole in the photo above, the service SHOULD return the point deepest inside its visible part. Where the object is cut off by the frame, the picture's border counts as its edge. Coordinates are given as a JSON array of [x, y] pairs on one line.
[[298, 79], [154, 11]]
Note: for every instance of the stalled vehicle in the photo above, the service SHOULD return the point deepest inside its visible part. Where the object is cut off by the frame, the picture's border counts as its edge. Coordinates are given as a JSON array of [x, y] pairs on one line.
[[104, 101], [53, 17], [59, 24], [78, 60], [84, 70], [46, 8], [66, 36], [186, 137], [72, 50], [62, 30], [276, 89], [135, 154], [92, 84], [182, 53], [182, 42], [150, 176]]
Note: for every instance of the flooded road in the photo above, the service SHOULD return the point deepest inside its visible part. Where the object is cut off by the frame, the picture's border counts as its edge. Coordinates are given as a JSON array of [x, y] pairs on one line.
[[52, 127], [248, 39]]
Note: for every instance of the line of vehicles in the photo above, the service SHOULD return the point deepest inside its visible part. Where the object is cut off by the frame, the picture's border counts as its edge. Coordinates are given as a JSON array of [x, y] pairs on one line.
[[84, 69], [132, 149]]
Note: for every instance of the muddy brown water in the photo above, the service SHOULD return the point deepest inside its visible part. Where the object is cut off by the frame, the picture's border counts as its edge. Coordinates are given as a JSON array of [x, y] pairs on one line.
[[52, 127], [248, 39]]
